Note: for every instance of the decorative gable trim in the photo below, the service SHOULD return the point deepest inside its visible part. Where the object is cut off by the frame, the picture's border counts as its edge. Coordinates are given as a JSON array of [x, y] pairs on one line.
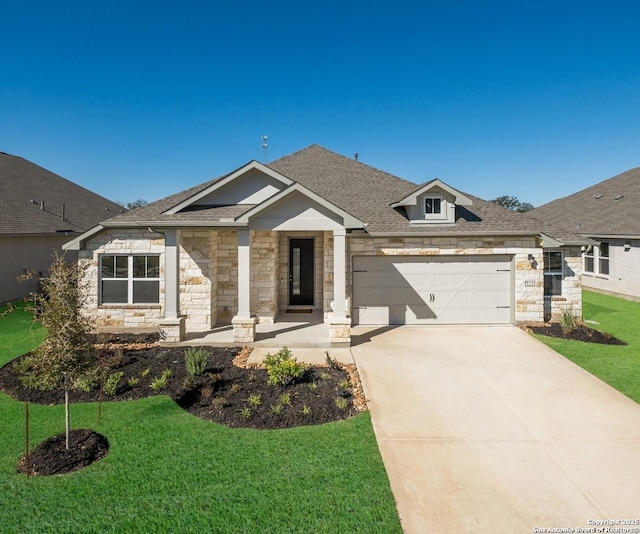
[[252, 165], [349, 221], [412, 199]]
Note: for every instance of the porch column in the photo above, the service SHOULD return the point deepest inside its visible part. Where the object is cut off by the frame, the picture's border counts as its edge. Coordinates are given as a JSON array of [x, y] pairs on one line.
[[339, 278], [172, 326], [339, 323], [244, 326]]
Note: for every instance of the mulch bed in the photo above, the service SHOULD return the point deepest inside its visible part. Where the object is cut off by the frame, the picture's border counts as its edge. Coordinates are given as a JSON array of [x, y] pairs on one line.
[[51, 457], [580, 333], [230, 393]]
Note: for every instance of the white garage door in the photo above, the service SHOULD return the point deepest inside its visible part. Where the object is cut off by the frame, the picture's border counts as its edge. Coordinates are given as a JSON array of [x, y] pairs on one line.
[[431, 290]]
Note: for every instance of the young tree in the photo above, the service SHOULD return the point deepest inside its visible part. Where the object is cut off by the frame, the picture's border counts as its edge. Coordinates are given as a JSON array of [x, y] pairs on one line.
[[66, 354]]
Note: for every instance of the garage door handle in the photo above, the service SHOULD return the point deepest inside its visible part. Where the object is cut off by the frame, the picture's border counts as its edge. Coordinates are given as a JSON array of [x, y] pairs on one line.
[[432, 297], [507, 307]]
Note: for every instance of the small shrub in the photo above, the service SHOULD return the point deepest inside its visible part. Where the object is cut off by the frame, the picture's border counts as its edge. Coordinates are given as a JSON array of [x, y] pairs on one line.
[[88, 381], [133, 381], [206, 392], [218, 403], [145, 372], [117, 358], [313, 386], [195, 359], [245, 413], [255, 399], [568, 320], [282, 368], [325, 376], [285, 399], [234, 389], [159, 383], [276, 409], [215, 377], [341, 403], [167, 374], [111, 383], [306, 410], [345, 384]]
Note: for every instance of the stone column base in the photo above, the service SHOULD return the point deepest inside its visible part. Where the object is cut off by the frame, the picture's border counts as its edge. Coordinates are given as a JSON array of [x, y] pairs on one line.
[[244, 330], [340, 330], [172, 330]]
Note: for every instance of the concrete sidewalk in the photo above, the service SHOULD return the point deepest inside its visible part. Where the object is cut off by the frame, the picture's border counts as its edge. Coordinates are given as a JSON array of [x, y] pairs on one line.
[[485, 429]]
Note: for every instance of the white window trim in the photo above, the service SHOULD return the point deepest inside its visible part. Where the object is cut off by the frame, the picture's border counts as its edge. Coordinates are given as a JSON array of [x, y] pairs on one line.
[[442, 216], [595, 254], [130, 280]]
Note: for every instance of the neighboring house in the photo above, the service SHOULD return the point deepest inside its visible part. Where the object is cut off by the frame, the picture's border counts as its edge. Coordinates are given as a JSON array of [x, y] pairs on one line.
[[319, 231], [608, 213], [39, 211]]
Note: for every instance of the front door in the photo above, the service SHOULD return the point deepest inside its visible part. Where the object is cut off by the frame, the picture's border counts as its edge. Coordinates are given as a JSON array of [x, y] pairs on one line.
[[301, 276]]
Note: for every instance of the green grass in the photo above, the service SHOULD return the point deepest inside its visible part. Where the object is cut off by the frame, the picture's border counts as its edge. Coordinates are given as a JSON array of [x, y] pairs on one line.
[[168, 471], [618, 366], [18, 333]]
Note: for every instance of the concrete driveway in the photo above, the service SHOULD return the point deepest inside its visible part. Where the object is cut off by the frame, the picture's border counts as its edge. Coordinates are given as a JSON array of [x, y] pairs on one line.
[[485, 429]]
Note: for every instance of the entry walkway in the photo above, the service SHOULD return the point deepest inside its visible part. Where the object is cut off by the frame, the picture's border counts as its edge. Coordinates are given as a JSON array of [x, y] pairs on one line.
[[485, 429]]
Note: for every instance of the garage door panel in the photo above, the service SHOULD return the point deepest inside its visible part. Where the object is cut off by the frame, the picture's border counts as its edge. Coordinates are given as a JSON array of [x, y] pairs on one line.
[[425, 290]]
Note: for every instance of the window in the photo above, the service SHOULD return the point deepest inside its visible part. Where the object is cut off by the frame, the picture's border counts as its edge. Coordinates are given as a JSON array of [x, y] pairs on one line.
[[130, 279], [432, 206], [553, 273], [603, 259], [596, 260]]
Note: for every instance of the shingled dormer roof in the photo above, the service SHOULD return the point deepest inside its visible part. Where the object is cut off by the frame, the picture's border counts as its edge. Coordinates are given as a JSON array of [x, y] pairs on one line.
[[35, 201]]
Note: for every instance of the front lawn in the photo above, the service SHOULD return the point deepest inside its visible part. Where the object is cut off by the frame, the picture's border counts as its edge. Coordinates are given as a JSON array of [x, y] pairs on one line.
[[168, 471], [617, 365]]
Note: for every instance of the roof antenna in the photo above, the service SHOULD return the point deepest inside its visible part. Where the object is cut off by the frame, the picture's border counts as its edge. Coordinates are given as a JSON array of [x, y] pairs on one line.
[[265, 147]]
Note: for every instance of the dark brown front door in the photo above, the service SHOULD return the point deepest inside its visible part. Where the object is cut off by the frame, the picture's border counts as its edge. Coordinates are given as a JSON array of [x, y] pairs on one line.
[[301, 274]]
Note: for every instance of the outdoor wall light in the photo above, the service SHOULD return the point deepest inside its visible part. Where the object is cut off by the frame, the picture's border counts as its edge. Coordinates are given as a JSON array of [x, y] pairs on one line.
[[627, 246], [532, 261]]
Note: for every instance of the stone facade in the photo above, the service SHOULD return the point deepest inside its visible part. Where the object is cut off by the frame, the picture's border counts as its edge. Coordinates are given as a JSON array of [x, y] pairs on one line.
[[265, 268], [121, 242], [209, 274]]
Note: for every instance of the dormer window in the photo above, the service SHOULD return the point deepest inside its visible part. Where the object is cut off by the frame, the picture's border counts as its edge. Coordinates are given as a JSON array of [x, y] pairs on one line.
[[433, 206], [432, 203]]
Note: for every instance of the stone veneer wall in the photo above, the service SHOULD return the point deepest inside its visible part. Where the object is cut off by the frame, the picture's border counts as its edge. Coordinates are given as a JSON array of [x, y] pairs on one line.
[[198, 271], [227, 276], [121, 242], [327, 277], [529, 281], [283, 283], [265, 270]]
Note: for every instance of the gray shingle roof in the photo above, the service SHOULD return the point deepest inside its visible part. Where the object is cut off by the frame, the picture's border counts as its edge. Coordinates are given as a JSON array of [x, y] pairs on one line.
[[594, 211], [362, 191], [32, 198]]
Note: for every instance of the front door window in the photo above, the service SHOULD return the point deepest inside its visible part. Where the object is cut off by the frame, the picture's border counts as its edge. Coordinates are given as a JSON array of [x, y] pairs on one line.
[[301, 271]]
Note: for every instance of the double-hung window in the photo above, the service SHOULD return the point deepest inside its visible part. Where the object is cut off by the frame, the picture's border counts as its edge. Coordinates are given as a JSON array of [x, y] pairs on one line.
[[129, 279], [596, 260], [603, 259], [553, 273], [432, 206]]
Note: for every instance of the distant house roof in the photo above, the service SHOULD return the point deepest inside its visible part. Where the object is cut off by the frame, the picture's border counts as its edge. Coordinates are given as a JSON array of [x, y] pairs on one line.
[[362, 191], [608, 208], [35, 201]]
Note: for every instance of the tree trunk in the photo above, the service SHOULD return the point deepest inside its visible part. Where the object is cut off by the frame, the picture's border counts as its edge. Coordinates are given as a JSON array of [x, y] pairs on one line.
[[67, 425]]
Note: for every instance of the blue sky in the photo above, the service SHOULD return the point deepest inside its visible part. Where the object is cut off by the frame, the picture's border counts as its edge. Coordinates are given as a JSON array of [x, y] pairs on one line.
[[143, 99]]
